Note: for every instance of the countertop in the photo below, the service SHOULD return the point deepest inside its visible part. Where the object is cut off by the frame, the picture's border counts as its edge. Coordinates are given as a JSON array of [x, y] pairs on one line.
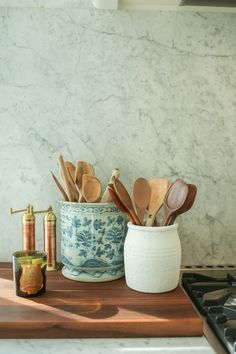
[[179, 345]]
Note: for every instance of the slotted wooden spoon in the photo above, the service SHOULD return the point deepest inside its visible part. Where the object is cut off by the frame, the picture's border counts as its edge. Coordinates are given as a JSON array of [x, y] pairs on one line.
[[141, 197], [187, 204], [159, 187], [174, 199]]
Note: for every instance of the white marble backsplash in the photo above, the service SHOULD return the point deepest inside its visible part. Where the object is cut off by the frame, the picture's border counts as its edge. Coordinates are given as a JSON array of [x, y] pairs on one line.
[[153, 93]]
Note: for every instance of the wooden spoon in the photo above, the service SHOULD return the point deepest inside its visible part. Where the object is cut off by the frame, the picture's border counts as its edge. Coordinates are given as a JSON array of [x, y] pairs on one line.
[[118, 203], [187, 204], [125, 199], [91, 189], [61, 189], [71, 167], [82, 168], [141, 197], [64, 172], [159, 187], [106, 197], [174, 199]]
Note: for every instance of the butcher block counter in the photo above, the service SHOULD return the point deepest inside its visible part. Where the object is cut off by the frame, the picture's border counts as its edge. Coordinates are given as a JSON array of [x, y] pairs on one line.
[[71, 309]]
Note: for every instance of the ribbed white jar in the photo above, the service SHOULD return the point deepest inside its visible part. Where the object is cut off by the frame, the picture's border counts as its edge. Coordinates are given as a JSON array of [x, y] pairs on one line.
[[152, 257]]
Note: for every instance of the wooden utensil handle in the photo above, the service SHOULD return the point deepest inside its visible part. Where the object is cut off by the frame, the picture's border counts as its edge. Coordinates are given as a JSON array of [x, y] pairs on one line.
[[66, 178], [166, 220], [152, 217], [72, 185], [59, 186]]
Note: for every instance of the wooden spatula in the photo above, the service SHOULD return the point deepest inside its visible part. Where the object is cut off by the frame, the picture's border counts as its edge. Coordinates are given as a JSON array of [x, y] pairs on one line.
[[141, 197], [159, 187]]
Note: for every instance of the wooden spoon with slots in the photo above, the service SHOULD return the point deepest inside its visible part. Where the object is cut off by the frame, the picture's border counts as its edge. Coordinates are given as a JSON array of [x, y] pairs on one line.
[[141, 197], [159, 187]]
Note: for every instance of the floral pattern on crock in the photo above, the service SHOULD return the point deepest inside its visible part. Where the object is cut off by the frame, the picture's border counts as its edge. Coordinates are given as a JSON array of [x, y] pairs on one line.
[[92, 239]]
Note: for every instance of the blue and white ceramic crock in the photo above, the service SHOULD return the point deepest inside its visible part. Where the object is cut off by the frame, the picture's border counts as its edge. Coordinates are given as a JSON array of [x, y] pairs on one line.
[[92, 241]]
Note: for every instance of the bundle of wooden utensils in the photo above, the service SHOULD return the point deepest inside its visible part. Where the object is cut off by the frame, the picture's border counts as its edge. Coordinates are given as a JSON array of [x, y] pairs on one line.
[[81, 185], [150, 196]]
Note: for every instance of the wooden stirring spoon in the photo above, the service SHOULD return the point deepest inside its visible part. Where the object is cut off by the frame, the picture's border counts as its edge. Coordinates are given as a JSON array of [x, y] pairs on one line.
[[174, 199], [82, 168], [91, 189], [187, 204], [125, 199], [118, 203], [159, 187], [141, 197]]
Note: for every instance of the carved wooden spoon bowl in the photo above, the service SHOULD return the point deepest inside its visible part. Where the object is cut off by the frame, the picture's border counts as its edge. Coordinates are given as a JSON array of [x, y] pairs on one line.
[[174, 199], [187, 204]]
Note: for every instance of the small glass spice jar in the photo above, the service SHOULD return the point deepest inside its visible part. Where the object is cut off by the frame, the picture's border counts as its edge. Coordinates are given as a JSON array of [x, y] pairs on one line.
[[29, 269]]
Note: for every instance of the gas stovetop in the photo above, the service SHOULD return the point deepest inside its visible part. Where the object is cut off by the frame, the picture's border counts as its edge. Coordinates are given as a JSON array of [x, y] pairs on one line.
[[213, 291]]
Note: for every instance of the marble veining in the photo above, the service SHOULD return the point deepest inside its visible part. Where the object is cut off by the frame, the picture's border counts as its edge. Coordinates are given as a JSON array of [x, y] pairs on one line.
[[150, 92], [108, 346]]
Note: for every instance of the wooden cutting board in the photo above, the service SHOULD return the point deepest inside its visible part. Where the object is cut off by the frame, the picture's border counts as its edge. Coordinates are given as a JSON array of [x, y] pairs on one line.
[[71, 309]]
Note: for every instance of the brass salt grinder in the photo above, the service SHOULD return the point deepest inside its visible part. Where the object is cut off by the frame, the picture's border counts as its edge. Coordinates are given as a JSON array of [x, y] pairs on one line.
[[28, 233]]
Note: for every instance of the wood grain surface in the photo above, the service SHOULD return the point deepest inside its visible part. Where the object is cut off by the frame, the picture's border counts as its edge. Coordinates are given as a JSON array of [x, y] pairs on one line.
[[71, 309]]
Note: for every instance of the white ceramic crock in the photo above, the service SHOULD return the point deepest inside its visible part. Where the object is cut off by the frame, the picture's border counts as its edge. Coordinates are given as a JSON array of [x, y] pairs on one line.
[[152, 257]]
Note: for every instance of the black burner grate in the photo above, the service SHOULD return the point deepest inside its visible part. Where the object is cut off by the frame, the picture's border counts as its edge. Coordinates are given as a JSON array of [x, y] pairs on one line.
[[216, 299]]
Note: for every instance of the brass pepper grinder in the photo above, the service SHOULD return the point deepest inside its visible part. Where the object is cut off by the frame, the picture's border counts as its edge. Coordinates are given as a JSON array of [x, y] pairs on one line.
[[50, 245], [28, 227]]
